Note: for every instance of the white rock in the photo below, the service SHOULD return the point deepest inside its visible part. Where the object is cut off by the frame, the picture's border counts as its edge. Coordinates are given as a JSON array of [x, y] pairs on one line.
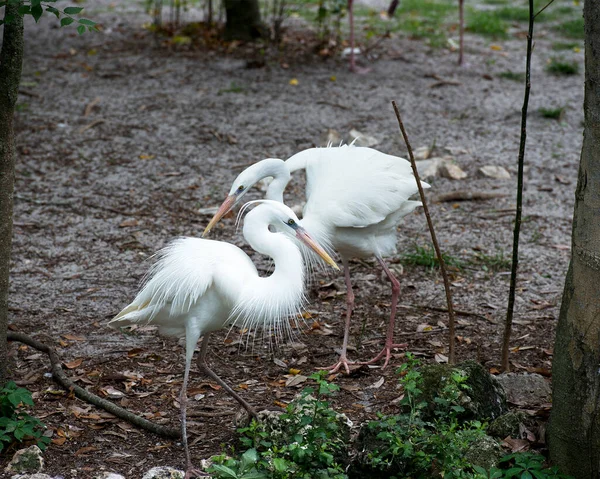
[[422, 153], [164, 472], [452, 171], [431, 168], [27, 460], [331, 137], [37, 475], [492, 171], [362, 139], [108, 475]]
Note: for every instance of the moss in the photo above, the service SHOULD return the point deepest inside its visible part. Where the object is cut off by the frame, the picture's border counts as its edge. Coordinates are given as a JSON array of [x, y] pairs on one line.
[[483, 399], [507, 424], [484, 452]]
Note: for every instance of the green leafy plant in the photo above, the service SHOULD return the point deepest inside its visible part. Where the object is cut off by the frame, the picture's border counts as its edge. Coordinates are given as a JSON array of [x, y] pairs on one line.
[[15, 424], [558, 66], [426, 256], [528, 465], [552, 113], [36, 9], [305, 441]]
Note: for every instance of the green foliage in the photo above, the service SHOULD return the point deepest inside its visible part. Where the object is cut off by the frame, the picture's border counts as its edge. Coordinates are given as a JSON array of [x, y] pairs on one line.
[[486, 23], [36, 9], [308, 442], [408, 445], [558, 66], [572, 28], [15, 423], [493, 262], [513, 76], [522, 465], [426, 256], [567, 46], [552, 113]]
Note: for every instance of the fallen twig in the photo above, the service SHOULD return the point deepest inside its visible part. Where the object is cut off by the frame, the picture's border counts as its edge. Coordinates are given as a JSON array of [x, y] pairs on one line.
[[465, 195], [83, 129], [413, 164], [61, 378], [90, 106]]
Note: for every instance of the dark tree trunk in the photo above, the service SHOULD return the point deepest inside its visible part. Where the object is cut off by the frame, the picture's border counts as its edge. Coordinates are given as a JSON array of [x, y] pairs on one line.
[[11, 62], [243, 20], [574, 433]]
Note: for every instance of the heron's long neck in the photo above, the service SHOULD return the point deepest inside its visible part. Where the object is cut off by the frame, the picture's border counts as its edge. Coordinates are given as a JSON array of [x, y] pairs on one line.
[[270, 301]]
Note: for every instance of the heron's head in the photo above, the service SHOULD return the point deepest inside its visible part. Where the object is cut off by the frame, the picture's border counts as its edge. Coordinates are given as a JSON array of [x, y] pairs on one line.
[[245, 180], [284, 220]]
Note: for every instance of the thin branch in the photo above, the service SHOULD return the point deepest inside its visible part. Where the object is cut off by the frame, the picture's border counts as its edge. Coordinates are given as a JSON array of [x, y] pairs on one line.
[[61, 378], [547, 5], [451, 326], [461, 29], [517, 229]]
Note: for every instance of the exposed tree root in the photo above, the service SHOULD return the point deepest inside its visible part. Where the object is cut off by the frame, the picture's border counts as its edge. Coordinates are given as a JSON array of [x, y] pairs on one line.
[[61, 378]]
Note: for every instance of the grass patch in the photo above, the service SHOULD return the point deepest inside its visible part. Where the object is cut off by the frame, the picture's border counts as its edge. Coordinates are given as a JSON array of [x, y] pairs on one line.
[[566, 46], [486, 23], [571, 28], [552, 113], [513, 14], [513, 76], [494, 262], [233, 88], [558, 66], [425, 256]]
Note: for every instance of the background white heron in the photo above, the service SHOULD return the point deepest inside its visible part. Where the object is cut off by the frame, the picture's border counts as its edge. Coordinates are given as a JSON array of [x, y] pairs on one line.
[[355, 198], [198, 286]]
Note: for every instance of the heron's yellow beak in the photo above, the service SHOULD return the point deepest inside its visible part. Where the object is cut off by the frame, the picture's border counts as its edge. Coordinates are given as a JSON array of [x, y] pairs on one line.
[[303, 236], [225, 208]]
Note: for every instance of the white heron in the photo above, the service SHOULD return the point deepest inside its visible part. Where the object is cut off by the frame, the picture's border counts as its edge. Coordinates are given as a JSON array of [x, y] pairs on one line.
[[198, 286], [355, 198]]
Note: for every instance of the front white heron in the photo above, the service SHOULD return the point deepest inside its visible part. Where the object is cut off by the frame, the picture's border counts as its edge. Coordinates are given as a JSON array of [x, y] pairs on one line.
[[355, 198], [198, 286]]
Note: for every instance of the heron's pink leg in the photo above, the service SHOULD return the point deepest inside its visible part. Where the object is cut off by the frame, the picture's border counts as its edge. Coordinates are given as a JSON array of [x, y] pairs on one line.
[[343, 361], [389, 340], [204, 367]]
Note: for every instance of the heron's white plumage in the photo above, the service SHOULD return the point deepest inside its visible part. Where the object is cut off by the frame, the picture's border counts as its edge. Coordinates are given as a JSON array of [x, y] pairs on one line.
[[209, 284]]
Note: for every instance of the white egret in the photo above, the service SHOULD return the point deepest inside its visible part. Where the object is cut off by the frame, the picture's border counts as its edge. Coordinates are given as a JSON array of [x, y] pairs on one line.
[[355, 198], [198, 286]]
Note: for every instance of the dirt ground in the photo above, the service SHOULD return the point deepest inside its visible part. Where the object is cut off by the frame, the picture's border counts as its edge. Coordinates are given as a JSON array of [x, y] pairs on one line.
[[102, 184]]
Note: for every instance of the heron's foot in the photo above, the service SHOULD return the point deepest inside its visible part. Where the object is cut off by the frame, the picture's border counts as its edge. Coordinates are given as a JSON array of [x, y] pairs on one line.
[[359, 70], [191, 472], [386, 353], [342, 363]]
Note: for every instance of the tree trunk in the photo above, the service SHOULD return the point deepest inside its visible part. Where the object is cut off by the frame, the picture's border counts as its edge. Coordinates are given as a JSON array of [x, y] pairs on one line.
[[243, 20], [574, 432], [11, 62]]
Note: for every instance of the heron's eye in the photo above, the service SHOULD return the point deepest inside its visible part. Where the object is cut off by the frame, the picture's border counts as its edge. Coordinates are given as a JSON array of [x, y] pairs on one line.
[[291, 222], [241, 188]]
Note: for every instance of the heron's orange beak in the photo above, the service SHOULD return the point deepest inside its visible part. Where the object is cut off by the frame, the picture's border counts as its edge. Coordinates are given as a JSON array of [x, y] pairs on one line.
[[225, 208], [303, 236]]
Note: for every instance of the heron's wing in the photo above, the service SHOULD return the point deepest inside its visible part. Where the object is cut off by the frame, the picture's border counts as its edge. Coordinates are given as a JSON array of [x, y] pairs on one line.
[[183, 272], [356, 187]]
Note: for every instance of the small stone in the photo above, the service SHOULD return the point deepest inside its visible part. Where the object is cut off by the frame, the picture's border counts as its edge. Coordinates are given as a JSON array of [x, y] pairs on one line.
[[361, 139], [497, 172], [452, 171], [422, 153], [108, 475], [37, 475], [525, 389], [164, 472], [484, 452], [27, 460], [508, 425], [331, 138]]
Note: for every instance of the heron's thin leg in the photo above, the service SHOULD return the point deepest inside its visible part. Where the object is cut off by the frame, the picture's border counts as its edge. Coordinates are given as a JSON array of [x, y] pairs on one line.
[[389, 339], [343, 361], [204, 367], [191, 338]]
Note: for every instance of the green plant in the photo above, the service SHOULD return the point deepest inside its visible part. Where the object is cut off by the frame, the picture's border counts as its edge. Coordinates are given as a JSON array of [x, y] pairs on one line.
[[493, 262], [558, 66], [36, 8], [528, 465], [426, 256], [567, 46], [233, 88], [552, 113], [306, 441], [15, 423], [486, 23], [514, 76], [571, 28]]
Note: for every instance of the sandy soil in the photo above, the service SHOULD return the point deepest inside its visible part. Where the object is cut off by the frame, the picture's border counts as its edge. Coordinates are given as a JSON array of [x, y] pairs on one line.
[[98, 193]]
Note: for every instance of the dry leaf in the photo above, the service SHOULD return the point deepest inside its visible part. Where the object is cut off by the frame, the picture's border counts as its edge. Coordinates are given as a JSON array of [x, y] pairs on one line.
[[516, 445], [440, 358], [127, 223], [59, 441], [377, 384], [293, 82], [85, 450], [295, 380], [112, 393], [72, 337], [146, 157], [74, 364], [424, 327]]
